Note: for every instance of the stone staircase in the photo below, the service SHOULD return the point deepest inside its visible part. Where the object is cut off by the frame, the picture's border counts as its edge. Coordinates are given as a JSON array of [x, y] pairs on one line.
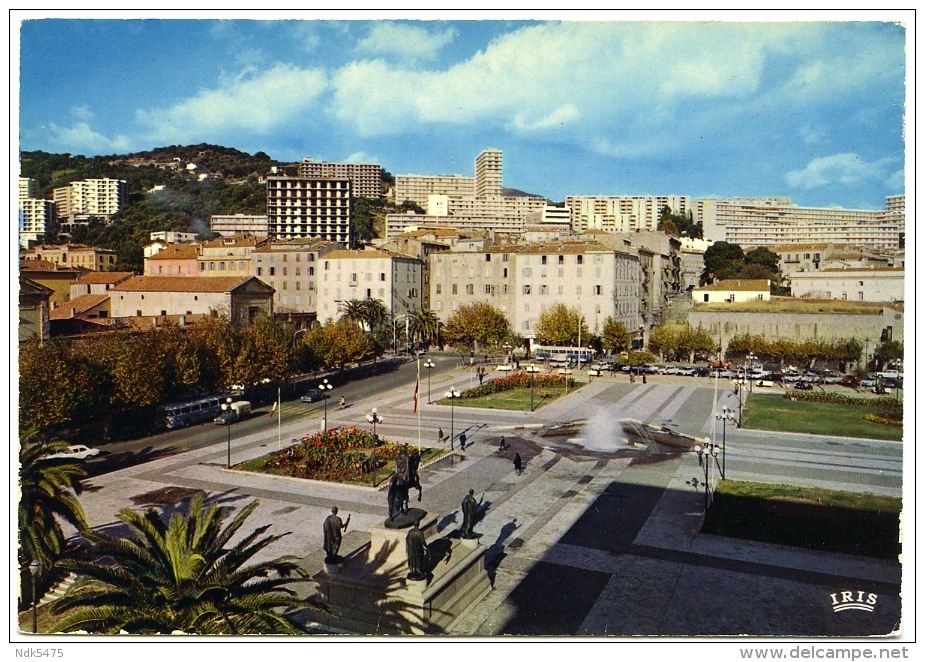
[[59, 589]]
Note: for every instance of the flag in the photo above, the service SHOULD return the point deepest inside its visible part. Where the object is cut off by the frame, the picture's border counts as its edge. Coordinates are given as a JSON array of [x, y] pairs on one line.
[[273, 411], [416, 384]]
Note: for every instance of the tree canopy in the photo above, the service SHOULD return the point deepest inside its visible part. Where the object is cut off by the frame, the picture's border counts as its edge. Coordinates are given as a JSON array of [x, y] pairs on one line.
[[724, 261], [615, 336], [476, 324], [679, 225], [559, 325]]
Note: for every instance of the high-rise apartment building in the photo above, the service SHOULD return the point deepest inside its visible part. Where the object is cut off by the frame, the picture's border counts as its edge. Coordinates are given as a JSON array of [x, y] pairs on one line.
[[36, 216], [365, 179], [28, 188], [81, 200], [230, 224], [488, 173], [309, 207], [417, 188], [622, 213]]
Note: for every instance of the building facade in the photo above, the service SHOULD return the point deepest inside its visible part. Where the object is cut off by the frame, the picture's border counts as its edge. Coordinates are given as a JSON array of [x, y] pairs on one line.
[[488, 174], [290, 268], [229, 256], [850, 284], [732, 291], [365, 179], [239, 298], [299, 207], [36, 217], [74, 255], [232, 224], [34, 310], [622, 213], [88, 198], [417, 188]]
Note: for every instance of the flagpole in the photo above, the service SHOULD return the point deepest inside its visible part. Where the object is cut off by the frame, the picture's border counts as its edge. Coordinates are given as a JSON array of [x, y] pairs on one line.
[[279, 420], [419, 409]]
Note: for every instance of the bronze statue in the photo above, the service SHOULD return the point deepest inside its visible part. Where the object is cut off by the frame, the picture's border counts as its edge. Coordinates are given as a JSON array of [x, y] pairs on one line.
[[332, 530], [469, 509], [416, 548], [398, 496], [414, 479], [401, 465]]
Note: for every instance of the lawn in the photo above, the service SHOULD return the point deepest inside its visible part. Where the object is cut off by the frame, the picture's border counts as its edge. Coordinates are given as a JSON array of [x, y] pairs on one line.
[[813, 518], [371, 479], [775, 412], [517, 399]]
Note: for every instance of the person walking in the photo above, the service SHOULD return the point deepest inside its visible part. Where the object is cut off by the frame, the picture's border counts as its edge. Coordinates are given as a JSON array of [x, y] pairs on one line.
[[518, 464], [440, 435], [643, 378]]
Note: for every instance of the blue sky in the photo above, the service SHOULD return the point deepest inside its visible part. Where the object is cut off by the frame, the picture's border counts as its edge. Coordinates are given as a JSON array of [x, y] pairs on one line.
[[813, 110]]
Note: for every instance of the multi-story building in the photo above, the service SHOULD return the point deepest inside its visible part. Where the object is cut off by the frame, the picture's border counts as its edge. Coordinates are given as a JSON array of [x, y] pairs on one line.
[[418, 188], [488, 174], [290, 268], [228, 256], [622, 213], [28, 188], [174, 260], [34, 310], [98, 282], [36, 216], [90, 198], [56, 278], [773, 221], [231, 224], [365, 179], [173, 237], [241, 298], [74, 255], [896, 210], [309, 207], [525, 281], [850, 284], [392, 278]]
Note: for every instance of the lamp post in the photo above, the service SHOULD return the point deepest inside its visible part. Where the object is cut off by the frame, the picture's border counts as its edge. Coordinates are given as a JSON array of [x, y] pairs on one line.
[[750, 362], [226, 406], [727, 415], [394, 332], [430, 365], [705, 455], [452, 394], [374, 418], [325, 386], [34, 568]]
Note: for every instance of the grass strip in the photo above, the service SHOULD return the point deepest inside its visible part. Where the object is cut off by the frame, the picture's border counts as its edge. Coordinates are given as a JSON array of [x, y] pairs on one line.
[[765, 411]]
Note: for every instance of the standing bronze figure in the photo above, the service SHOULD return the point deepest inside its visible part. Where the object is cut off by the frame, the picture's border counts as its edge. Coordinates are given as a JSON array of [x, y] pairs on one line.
[[418, 553], [332, 536], [469, 509]]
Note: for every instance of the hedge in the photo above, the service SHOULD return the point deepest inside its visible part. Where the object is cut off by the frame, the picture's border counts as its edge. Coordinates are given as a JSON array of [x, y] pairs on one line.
[[839, 399]]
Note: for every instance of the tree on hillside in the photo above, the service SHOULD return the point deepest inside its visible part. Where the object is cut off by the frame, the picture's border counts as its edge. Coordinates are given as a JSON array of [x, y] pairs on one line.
[[615, 336], [563, 326], [477, 324], [721, 260], [183, 576]]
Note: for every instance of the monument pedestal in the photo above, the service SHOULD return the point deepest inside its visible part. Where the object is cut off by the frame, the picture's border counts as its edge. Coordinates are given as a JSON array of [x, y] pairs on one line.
[[369, 592]]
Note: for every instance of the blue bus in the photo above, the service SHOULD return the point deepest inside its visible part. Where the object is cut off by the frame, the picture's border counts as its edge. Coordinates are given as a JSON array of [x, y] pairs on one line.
[[191, 412]]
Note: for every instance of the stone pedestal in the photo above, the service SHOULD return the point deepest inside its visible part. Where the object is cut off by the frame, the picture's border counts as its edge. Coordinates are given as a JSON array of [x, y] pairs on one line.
[[369, 592]]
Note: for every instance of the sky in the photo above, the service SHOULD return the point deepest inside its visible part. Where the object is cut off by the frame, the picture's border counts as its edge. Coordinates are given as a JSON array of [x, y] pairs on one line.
[[812, 110]]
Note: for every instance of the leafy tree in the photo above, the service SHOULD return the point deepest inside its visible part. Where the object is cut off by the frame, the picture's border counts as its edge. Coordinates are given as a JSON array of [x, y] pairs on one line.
[[665, 339], [640, 358], [695, 342], [56, 385], [477, 324], [764, 257], [48, 493], [265, 352], [559, 325], [338, 343], [182, 577], [218, 344], [615, 336], [890, 350], [721, 260]]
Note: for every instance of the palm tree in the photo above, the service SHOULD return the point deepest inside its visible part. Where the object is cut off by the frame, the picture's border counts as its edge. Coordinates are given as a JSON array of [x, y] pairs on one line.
[[181, 576], [368, 314], [425, 324], [353, 310], [49, 489]]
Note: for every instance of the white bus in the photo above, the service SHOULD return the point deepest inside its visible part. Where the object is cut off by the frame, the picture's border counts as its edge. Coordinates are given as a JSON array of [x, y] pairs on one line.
[[562, 355]]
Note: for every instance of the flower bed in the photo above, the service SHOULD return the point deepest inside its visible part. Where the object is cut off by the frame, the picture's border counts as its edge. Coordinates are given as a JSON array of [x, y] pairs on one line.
[[885, 420], [518, 380], [342, 455]]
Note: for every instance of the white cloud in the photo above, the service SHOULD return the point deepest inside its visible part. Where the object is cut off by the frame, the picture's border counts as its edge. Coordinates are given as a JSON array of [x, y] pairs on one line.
[[846, 168], [561, 116], [81, 139], [406, 42], [257, 101], [361, 157], [897, 181], [81, 113]]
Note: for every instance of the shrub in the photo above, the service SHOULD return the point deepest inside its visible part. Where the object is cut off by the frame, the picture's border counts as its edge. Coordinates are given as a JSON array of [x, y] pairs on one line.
[[518, 379], [886, 420], [888, 404]]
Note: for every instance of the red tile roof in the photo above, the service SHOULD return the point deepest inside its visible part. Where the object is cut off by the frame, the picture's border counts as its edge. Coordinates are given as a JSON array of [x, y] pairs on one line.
[[105, 277], [78, 306], [180, 284]]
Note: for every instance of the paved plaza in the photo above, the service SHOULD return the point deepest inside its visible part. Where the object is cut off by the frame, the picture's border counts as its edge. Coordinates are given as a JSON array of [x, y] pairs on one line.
[[596, 537]]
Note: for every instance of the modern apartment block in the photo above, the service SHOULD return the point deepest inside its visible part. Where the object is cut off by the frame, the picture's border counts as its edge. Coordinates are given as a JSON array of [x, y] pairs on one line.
[[488, 173], [36, 216], [290, 268], [365, 179], [417, 188], [309, 207], [28, 188], [622, 213], [231, 224], [394, 279], [769, 221], [100, 198], [525, 281]]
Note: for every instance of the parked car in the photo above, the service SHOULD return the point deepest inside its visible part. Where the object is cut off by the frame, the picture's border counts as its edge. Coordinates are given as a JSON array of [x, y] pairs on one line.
[[76, 452], [850, 381], [507, 367], [649, 369], [686, 370], [600, 366], [314, 395], [803, 386], [868, 383], [727, 374], [764, 383], [718, 364], [668, 370], [701, 372]]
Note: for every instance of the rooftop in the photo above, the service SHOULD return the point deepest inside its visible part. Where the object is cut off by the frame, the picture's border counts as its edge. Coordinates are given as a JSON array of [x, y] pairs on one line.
[[737, 285], [75, 307], [101, 277], [177, 252], [368, 254], [181, 284]]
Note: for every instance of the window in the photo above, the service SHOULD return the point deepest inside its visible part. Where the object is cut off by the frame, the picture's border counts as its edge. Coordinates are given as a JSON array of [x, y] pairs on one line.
[[202, 266], [284, 284], [526, 326], [860, 296], [160, 270], [455, 289], [488, 257], [504, 257], [860, 283], [311, 271], [504, 289], [578, 271], [578, 259], [232, 266], [272, 271], [544, 289], [211, 266], [438, 289], [844, 295], [137, 313], [285, 269], [488, 289], [382, 277], [470, 289], [578, 290], [298, 285], [542, 259], [760, 297], [706, 297], [561, 272], [327, 265], [163, 312], [221, 266], [528, 272], [561, 289], [597, 290], [369, 276], [439, 305], [561, 259], [504, 273], [597, 272], [526, 289]]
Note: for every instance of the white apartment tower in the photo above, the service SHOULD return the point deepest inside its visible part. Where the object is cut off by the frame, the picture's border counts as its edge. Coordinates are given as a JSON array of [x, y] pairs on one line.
[[309, 207], [366, 179], [36, 215], [488, 173], [100, 198]]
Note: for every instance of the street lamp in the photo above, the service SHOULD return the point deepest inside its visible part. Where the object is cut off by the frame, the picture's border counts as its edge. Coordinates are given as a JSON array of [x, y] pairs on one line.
[[430, 365], [34, 568], [727, 415], [227, 415], [394, 332], [374, 418], [452, 394], [749, 362], [705, 455], [324, 396]]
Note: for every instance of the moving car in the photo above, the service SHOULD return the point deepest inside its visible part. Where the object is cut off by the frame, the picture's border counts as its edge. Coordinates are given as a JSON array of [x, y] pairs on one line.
[[236, 411], [76, 452], [314, 395]]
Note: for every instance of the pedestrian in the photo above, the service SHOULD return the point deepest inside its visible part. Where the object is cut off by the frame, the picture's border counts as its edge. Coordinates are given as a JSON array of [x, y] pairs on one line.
[[643, 378], [440, 435], [518, 464], [501, 446], [462, 441]]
